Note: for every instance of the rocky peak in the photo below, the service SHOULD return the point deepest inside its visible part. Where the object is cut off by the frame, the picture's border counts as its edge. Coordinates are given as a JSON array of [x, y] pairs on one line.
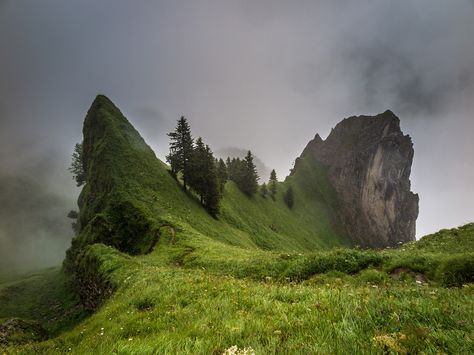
[[369, 163]]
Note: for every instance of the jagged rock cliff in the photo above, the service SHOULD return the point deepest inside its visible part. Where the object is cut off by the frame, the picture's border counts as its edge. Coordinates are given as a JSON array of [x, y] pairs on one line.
[[369, 163]]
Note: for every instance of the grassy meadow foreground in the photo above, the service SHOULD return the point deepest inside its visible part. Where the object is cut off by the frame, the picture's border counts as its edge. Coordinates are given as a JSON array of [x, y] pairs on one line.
[[150, 271], [195, 295]]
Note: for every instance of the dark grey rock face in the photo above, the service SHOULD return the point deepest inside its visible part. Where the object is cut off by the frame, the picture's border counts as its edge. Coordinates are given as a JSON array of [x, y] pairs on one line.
[[369, 161]]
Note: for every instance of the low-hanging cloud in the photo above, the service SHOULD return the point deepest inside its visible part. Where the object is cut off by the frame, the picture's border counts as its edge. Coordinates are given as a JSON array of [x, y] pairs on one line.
[[34, 229]]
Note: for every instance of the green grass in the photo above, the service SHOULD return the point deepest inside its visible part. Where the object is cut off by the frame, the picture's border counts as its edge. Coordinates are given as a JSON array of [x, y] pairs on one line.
[[130, 195], [263, 276], [8, 273], [44, 296], [455, 240], [165, 306]]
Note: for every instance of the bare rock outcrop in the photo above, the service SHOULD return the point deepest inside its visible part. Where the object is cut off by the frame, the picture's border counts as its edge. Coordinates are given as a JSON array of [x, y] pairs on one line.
[[369, 162]]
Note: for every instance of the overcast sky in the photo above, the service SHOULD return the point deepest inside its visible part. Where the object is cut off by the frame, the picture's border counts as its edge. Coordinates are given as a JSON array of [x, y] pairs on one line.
[[262, 75]]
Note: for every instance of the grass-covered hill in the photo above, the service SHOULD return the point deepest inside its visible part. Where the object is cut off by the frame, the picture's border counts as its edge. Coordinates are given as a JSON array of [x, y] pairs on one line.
[[130, 198], [192, 294], [152, 272]]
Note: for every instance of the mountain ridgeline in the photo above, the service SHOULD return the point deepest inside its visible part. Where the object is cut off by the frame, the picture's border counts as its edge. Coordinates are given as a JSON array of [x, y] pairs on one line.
[[352, 189]]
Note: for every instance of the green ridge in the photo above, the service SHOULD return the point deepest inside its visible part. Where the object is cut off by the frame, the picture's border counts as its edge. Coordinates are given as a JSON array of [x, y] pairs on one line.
[[260, 276], [130, 195]]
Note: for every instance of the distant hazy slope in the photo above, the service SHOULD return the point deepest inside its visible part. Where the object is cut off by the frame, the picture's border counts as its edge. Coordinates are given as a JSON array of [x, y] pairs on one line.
[[454, 240], [34, 229], [129, 196]]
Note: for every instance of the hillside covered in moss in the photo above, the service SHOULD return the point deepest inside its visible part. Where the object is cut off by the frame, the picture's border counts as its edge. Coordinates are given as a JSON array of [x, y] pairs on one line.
[[130, 198], [150, 271]]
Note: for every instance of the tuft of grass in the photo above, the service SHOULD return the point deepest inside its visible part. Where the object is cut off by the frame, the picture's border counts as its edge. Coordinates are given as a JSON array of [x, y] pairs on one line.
[[144, 304], [456, 270], [373, 276]]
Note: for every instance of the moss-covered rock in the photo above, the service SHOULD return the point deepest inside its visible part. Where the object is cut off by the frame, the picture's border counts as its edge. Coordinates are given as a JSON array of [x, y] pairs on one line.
[[119, 171], [20, 331]]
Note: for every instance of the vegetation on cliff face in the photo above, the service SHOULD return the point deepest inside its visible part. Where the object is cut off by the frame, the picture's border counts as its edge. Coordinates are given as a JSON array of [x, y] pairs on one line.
[[163, 276]]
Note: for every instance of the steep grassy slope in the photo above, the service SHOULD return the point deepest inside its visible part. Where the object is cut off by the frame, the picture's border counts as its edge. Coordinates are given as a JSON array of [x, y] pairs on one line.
[[130, 196]]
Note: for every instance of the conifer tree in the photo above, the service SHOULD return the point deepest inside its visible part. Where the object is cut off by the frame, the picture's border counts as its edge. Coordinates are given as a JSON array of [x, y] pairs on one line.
[[243, 173], [204, 179], [211, 191], [232, 168], [264, 190], [222, 174], [197, 179], [77, 167], [181, 149], [75, 217], [249, 184], [288, 197], [272, 184]]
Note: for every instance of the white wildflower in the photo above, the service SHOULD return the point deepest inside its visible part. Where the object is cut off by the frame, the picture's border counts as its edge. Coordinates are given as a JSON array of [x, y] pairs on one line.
[[234, 350]]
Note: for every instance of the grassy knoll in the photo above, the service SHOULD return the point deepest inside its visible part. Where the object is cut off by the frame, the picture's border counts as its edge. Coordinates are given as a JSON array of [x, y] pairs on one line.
[[195, 295]]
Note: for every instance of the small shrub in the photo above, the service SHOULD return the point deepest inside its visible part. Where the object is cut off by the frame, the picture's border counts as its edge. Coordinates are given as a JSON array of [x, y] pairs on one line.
[[425, 264], [373, 276], [288, 197], [415, 340], [343, 260], [144, 304], [410, 341], [335, 278], [456, 270]]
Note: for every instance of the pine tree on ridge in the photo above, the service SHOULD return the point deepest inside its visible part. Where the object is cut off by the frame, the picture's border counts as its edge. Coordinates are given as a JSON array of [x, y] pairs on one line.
[[272, 184], [181, 149], [264, 190]]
